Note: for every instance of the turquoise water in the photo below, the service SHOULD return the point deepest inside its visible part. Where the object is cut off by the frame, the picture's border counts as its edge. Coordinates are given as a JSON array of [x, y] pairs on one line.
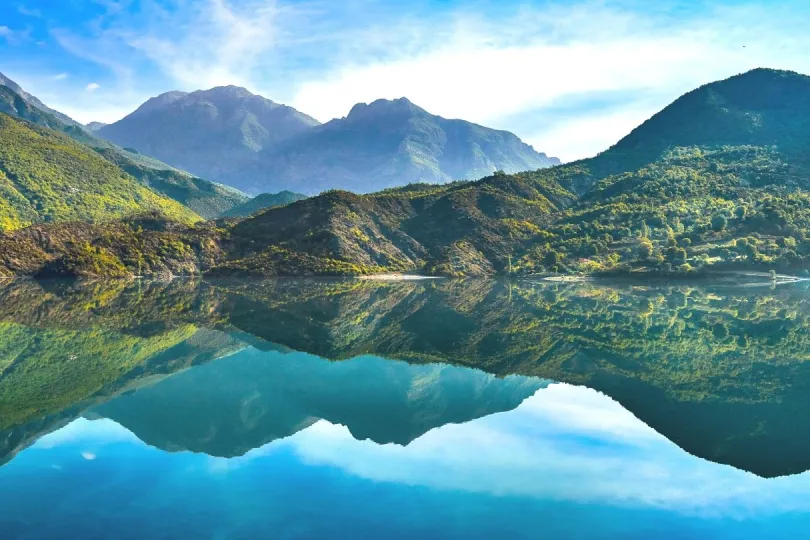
[[454, 410]]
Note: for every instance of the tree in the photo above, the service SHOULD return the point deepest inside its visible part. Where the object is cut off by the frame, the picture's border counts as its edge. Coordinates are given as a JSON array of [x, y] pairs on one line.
[[719, 223], [551, 259], [645, 249]]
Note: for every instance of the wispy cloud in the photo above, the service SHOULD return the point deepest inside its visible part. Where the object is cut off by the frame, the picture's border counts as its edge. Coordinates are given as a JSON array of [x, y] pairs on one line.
[[60, 76], [92, 87], [23, 10], [508, 67], [14, 37], [222, 44]]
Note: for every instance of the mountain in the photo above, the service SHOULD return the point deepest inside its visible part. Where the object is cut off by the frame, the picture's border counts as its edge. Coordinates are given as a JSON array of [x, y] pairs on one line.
[[36, 103], [46, 177], [717, 180], [216, 133], [392, 143], [760, 108], [247, 400], [235, 137], [95, 126], [263, 201], [681, 195], [207, 199]]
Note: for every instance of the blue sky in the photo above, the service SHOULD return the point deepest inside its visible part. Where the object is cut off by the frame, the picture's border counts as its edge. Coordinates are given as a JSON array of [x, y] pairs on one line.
[[571, 78]]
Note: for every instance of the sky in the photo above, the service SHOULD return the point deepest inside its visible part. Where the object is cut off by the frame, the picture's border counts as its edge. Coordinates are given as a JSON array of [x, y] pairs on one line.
[[569, 77]]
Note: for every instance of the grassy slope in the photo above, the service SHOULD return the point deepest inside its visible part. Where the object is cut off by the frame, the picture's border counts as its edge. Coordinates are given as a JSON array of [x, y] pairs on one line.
[[46, 176], [207, 199]]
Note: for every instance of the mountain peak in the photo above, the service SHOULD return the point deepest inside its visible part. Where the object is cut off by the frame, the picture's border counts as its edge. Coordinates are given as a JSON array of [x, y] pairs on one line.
[[226, 92], [758, 108], [382, 107], [160, 101]]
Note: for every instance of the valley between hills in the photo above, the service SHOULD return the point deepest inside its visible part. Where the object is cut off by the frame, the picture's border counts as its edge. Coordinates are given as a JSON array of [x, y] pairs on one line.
[[718, 180]]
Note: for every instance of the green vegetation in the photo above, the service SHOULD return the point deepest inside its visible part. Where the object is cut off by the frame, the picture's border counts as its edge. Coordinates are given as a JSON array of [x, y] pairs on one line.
[[47, 370], [207, 199], [721, 370], [719, 180], [48, 177], [716, 181]]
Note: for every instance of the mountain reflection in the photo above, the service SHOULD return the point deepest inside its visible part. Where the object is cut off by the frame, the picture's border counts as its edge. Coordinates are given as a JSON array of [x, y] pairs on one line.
[[721, 371], [231, 406]]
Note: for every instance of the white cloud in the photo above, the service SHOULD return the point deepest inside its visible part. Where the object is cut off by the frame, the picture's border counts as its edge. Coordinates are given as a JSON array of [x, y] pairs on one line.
[[486, 73], [509, 71], [222, 44], [60, 76], [89, 456], [565, 443], [92, 87], [23, 10]]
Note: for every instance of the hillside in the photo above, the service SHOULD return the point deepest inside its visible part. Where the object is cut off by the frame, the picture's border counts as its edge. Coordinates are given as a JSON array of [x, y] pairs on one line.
[[262, 202], [35, 103], [48, 177], [216, 133], [207, 199], [669, 198]]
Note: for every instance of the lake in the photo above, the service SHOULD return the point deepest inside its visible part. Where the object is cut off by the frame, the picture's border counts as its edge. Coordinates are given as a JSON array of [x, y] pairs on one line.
[[308, 409]]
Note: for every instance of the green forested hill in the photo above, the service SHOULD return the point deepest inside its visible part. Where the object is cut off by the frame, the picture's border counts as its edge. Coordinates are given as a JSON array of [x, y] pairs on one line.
[[46, 177], [207, 199], [720, 179]]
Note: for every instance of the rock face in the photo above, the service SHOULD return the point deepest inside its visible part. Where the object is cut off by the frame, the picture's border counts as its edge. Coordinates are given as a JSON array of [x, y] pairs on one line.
[[232, 136]]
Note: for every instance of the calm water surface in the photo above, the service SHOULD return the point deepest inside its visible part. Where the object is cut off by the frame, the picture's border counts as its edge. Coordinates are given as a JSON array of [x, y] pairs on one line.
[[450, 409]]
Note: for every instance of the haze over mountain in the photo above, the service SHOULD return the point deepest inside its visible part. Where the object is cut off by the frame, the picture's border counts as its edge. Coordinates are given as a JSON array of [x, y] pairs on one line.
[[392, 143], [232, 136], [263, 202], [213, 133], [95, 126]]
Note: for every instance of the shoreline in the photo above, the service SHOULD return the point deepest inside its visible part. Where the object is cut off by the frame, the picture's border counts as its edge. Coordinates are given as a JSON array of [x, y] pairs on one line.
[[397, 277]]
